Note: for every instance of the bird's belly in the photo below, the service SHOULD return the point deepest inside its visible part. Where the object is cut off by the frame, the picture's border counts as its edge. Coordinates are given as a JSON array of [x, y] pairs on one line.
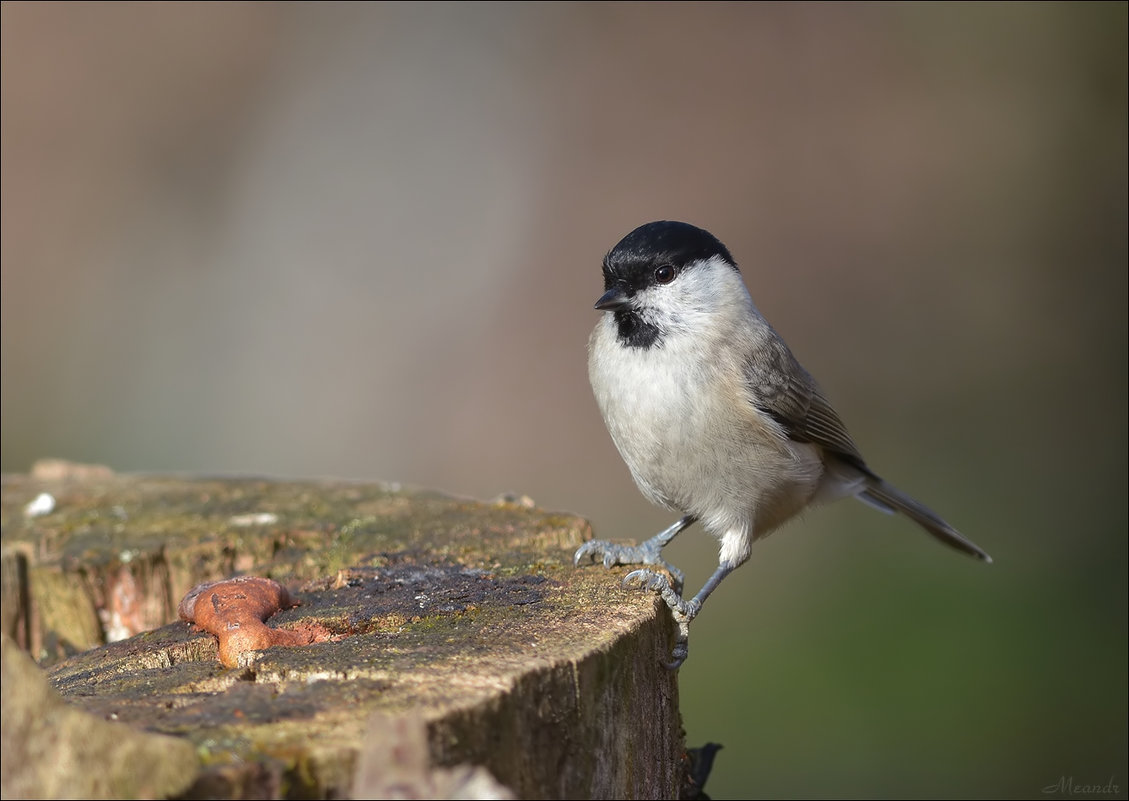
[[694, 445]]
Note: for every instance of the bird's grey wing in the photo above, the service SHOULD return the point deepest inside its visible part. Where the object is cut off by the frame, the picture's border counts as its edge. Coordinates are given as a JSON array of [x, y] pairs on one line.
[[781, 388]]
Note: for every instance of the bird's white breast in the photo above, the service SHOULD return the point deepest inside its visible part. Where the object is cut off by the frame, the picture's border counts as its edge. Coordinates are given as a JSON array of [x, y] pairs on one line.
[[682, 419]]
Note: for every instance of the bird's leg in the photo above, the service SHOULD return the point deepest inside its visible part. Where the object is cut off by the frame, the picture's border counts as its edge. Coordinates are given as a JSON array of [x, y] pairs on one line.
[[649, 553], [682, 610]]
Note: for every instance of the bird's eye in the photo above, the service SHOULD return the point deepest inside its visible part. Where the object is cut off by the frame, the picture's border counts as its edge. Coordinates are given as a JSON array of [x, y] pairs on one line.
[[665, 273]]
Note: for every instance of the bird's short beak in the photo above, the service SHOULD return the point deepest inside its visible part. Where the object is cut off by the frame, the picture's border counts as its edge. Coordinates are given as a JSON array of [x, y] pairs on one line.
[[615, 298]]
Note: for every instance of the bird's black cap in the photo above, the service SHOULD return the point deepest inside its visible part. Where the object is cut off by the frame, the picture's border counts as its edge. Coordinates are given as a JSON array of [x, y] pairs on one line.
[[676, 243]]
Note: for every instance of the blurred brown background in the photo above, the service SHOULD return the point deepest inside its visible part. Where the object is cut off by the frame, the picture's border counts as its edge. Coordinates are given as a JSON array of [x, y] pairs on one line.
[[363, 241]]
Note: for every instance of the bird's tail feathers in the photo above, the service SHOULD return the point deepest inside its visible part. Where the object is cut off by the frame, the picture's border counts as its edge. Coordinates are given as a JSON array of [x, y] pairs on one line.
[[888, 498]]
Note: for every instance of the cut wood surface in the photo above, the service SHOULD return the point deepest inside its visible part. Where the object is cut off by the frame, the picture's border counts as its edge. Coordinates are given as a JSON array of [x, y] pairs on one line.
[[464, 619]]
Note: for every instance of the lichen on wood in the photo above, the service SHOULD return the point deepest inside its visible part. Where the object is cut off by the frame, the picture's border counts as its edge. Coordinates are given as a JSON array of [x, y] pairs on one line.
[[466, 616]]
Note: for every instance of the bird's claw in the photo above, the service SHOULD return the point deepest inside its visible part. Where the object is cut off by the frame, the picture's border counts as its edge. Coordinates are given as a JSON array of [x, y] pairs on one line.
[[661, 585], [649, 580], [599, 551], [612, 554], [682, 611], [669, 589], [680, 652]]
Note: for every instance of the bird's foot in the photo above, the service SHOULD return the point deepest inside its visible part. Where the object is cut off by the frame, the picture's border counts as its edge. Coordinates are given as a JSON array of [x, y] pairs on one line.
[[682, 610], [611, 554]]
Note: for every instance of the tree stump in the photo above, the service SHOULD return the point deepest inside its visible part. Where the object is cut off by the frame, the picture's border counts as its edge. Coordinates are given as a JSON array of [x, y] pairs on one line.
[[456, 634]]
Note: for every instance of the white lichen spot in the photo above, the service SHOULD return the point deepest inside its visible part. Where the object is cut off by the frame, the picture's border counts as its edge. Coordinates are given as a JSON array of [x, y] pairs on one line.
[[254, 519], [43, 504], [315, 676]]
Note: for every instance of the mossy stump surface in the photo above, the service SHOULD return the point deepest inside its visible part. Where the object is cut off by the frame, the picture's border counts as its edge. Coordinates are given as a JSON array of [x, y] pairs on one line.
[[466, 617]]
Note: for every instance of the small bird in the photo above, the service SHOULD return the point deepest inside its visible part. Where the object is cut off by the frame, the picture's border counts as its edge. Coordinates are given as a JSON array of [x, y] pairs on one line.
[[713, 415]]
